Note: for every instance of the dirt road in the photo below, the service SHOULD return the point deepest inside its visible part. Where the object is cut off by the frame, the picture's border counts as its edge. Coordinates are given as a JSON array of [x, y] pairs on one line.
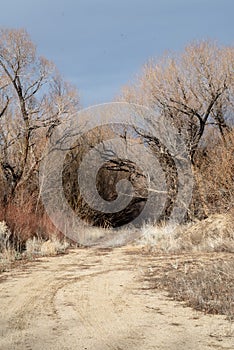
[[95, 300]]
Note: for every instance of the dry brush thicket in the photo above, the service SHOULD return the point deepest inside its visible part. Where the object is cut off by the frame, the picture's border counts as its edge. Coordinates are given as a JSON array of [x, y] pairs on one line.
[[34, 99], [194, 91]]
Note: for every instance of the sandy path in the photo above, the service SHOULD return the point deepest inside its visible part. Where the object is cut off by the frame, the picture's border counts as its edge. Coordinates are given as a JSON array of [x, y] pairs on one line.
[[94, 300]]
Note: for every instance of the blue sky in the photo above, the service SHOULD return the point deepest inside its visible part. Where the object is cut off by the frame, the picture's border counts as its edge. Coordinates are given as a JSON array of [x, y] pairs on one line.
[[100, 45]]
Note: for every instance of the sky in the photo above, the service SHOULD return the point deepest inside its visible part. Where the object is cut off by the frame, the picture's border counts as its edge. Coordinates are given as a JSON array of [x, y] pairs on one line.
[[101, 45]]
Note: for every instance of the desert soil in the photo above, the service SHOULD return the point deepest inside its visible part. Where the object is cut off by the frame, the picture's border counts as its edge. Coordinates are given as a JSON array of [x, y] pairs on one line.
[[97, 300]]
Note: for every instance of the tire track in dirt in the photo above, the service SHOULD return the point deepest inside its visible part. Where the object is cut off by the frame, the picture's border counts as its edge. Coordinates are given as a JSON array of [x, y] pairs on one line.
[[93, 299]]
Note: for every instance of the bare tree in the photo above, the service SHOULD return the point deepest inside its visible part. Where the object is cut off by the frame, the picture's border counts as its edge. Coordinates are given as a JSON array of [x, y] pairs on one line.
[[193, 89], [33, 99]]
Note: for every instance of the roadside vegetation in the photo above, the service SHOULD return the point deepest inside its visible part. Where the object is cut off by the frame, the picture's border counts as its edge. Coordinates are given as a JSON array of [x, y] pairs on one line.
[[200, 267]]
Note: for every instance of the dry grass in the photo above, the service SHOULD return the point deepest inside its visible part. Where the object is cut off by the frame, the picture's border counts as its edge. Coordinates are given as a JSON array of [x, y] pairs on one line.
[[213, 234], [210, 288], [34, 247], [205, 283], [216, 233], [195, 262], [106, 237], [8, 256], [51, 247]]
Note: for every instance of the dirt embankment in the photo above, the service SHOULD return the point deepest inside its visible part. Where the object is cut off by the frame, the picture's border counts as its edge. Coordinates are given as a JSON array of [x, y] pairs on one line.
[[96, 300]]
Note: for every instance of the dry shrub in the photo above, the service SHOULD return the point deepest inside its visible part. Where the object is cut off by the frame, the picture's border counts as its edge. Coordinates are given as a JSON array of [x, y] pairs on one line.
[[35, 246], [7, 254], [216, 173], [25, 222], [158, 238], [4, 235], [51, 247], [7, 257], [215, 233]]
